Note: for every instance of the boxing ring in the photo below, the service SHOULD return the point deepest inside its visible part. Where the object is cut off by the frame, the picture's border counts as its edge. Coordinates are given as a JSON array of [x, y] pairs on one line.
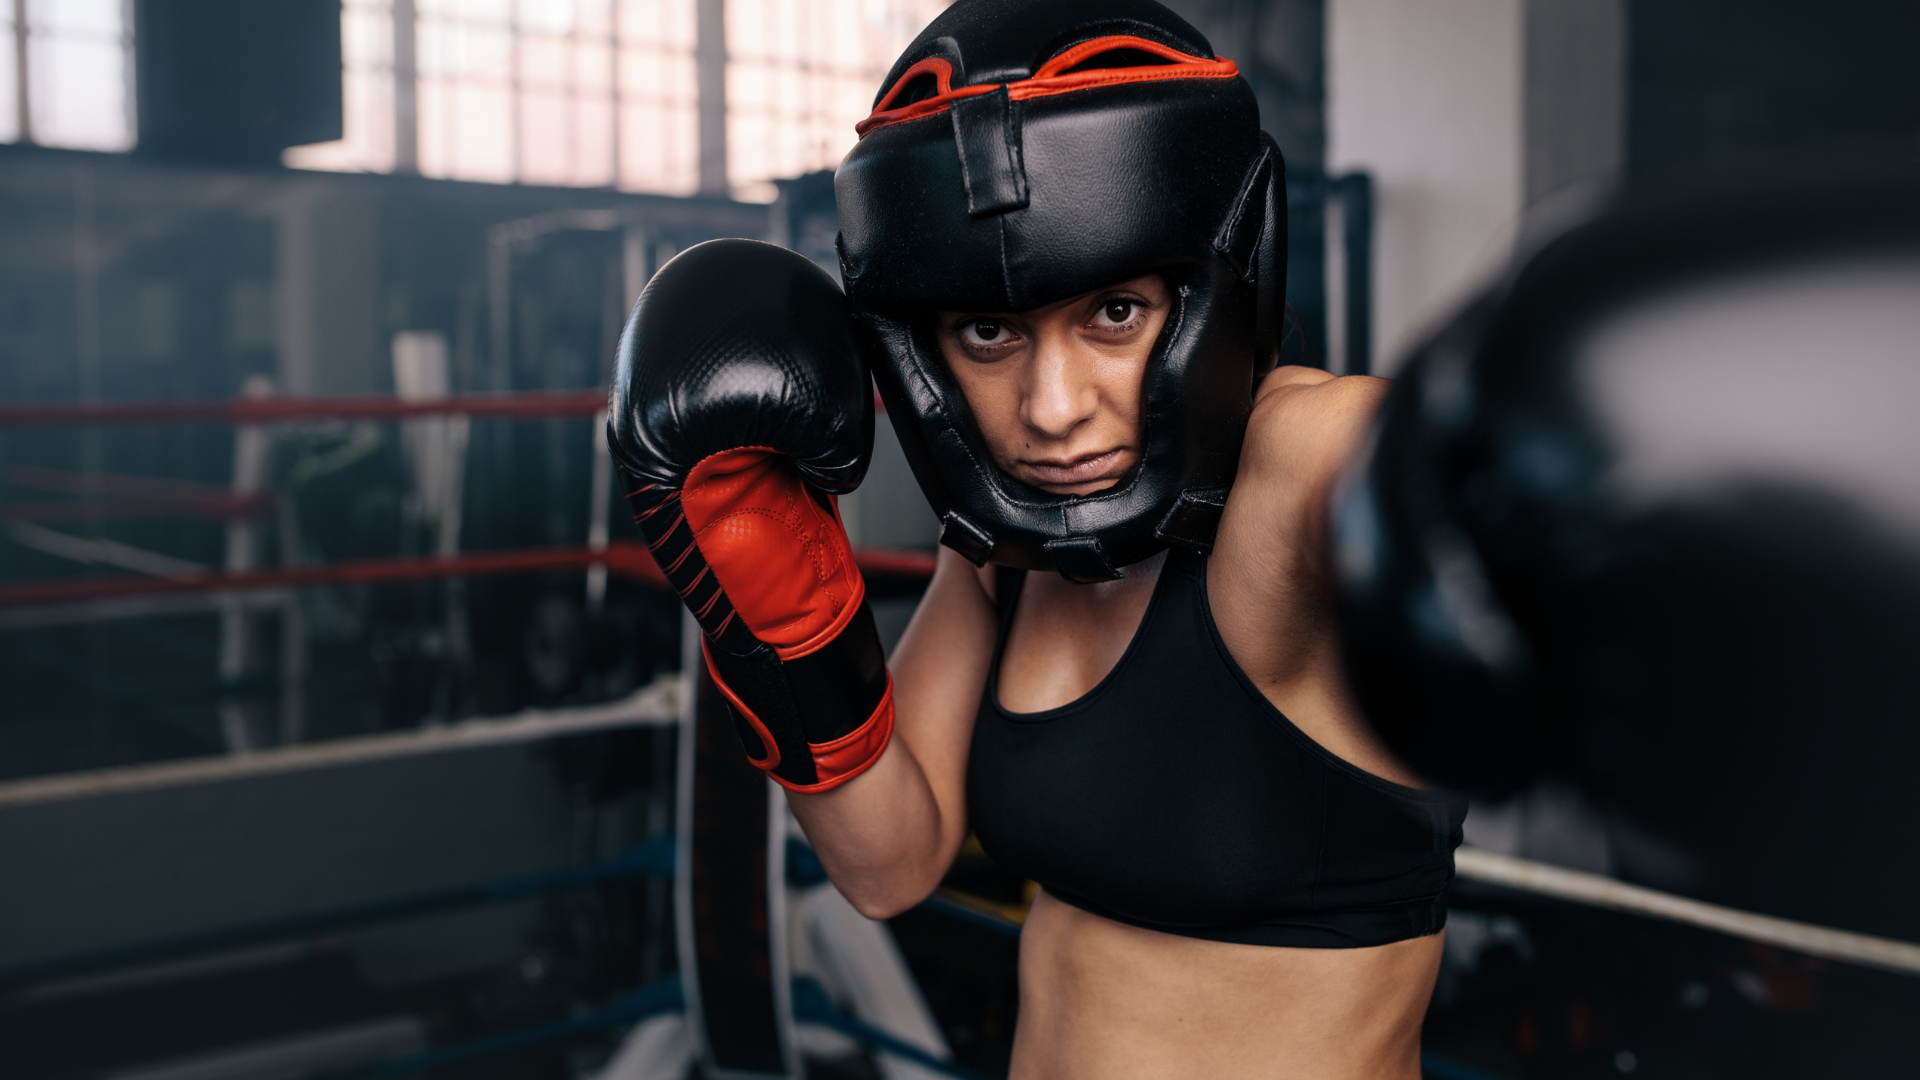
[[162, 584], [747, 871]]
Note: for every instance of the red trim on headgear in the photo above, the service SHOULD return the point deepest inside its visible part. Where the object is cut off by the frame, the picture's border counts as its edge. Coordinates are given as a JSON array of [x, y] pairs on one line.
[[1048, 80]]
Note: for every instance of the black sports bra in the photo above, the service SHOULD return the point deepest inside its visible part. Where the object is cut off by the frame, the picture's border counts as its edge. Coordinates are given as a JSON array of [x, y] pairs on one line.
[[1174, 796]]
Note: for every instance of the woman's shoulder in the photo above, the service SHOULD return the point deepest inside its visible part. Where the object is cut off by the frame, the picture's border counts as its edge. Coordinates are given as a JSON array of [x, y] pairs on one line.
[[1305, 419], [1299, 401]]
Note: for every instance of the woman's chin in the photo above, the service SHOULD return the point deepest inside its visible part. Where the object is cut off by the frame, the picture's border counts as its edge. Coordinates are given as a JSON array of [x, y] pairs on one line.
[[1085, 487]]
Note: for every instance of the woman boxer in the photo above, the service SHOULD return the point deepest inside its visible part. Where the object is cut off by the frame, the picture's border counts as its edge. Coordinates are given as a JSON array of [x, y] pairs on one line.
[[1063, 241]]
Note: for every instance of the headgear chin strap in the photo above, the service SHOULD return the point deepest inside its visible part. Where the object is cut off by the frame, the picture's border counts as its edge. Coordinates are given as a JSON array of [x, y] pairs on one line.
[[1023, 153]]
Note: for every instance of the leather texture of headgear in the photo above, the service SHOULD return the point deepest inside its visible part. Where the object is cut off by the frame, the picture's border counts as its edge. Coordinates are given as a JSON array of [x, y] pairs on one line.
[[1021, 153]]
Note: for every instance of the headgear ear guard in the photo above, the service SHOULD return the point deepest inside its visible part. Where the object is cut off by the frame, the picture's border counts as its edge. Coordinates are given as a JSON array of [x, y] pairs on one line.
[[1022, 153]]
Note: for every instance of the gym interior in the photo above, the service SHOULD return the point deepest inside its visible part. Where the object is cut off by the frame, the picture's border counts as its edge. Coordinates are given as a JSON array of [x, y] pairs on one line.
[[346, 723]]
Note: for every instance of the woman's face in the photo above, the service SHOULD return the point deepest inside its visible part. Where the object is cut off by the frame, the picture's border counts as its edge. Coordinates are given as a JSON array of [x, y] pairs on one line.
[[1056, 390]]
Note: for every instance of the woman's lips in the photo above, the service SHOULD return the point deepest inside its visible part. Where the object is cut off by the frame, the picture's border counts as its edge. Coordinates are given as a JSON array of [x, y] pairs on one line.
[[1079, 470]]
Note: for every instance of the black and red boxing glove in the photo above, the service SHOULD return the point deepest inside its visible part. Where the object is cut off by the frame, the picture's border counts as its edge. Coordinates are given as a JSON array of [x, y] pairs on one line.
[[739, 409]]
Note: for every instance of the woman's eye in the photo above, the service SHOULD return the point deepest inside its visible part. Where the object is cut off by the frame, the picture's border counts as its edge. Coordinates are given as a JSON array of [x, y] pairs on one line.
[[982, 333], [1118, 312]]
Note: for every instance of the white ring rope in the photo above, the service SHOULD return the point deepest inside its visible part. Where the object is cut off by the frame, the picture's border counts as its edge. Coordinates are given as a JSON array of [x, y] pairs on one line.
[[1605, 892], [656, 704]]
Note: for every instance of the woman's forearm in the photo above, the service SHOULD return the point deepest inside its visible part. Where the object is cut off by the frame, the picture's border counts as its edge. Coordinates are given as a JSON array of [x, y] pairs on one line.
[[887, 836], [879, 835]]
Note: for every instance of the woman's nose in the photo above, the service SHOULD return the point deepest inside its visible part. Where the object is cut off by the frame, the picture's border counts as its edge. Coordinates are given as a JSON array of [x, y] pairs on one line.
[[1061, 391]]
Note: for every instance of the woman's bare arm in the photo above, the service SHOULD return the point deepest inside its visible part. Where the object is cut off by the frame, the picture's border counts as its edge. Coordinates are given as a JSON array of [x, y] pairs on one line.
[[1270, 579], [887, 836]]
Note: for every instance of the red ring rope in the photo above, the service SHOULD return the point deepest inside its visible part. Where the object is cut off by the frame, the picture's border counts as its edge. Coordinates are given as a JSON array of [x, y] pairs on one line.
[[627, 558], [269, 410]]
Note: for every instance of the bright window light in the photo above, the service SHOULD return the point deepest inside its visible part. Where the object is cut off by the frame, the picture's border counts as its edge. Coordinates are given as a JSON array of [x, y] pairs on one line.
[[366, 95], [800, 74], [584, 93], [9, 79], [78, 86]]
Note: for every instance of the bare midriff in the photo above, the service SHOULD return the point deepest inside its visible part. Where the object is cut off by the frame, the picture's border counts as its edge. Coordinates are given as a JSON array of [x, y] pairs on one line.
[[1100, 999]]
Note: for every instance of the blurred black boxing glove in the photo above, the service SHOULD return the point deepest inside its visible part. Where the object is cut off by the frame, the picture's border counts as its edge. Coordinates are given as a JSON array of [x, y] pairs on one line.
[[1647, 517], [739, 408]]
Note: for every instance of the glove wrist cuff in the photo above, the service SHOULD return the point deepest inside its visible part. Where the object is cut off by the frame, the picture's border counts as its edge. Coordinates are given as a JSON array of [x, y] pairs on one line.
[[850, 755], [813, 722]]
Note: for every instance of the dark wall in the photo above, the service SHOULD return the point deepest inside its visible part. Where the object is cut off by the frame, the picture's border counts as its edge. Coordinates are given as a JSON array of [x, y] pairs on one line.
[[1720, 84], [236, 80], [1280, 47]]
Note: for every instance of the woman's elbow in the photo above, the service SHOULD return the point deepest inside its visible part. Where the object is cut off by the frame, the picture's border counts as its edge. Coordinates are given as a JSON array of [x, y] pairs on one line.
[[880, 908], [887, 896]]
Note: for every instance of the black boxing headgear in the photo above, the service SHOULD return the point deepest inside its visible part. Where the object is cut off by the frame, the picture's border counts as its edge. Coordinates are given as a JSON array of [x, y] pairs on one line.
[[1025, 151]]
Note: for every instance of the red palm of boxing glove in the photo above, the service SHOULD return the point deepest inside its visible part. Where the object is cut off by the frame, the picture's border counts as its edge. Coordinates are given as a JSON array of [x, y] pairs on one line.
[[738, 402], [781, 555]]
